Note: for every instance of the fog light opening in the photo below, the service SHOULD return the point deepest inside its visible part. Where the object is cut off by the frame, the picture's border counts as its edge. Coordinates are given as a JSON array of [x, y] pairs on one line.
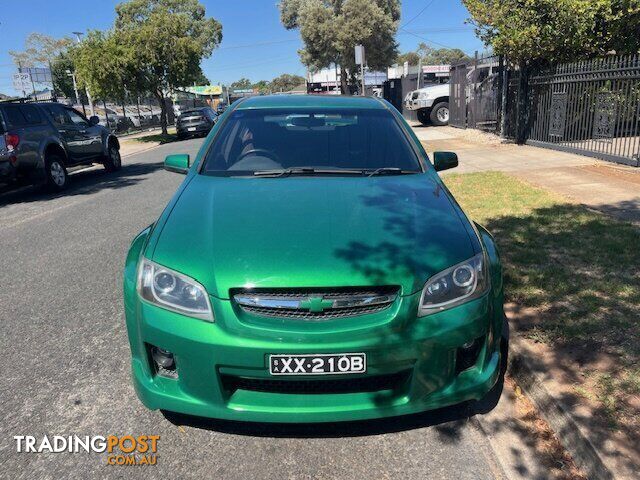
[[467, 354], [164, 362]]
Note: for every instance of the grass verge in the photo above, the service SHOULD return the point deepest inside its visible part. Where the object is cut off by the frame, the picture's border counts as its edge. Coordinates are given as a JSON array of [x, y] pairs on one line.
[[579, 272]]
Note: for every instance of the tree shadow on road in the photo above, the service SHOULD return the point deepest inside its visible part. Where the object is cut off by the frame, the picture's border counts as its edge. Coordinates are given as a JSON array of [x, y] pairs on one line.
[[81, 183]]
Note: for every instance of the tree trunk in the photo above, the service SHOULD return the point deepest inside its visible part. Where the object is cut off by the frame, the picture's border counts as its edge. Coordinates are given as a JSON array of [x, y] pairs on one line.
[[163, 111], [344, 84]]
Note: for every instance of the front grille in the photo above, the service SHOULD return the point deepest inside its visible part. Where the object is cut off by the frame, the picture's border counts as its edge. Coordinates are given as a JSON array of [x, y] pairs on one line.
[[415, 95], [326, 386], [315, 304]]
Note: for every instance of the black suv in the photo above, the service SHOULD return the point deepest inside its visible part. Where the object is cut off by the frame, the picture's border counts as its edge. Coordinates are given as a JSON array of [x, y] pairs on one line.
[[195, 121], [39, 141]]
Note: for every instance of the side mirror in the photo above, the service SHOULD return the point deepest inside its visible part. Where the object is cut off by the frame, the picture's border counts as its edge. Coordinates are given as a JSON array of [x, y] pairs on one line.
[[444, 160], [178, 163], [93, 120]]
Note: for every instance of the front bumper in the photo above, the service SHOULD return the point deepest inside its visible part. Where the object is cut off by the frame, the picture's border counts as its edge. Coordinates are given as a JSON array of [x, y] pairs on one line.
[[238, 346]]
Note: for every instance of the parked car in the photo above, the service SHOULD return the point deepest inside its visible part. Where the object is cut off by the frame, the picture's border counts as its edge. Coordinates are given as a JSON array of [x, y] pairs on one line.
[[431, 104], [195, 122], [40, 141], [313, 267]]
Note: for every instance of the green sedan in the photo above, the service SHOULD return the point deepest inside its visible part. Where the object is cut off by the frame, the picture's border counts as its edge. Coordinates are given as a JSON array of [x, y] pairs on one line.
[[313, 267]]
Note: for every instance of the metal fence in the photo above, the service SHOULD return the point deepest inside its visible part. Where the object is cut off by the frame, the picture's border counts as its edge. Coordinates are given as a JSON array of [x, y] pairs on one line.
[[591, 108], [474, 99]]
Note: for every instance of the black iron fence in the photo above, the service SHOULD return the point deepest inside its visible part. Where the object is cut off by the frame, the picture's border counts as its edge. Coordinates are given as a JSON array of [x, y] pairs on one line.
[[588, 107], [474, 99]]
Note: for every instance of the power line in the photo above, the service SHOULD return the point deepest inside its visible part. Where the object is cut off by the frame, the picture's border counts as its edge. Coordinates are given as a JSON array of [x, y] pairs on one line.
[[259, 44], [408, 32], [417, 15]]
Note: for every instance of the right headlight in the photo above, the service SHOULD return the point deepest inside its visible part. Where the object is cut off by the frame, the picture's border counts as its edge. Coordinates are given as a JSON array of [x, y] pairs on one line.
[[172, 290], [455, 285]]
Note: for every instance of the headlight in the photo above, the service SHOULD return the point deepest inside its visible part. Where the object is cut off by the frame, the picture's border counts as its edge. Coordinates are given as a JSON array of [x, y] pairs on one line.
[[423, 95], [456, 285], [173, 291]]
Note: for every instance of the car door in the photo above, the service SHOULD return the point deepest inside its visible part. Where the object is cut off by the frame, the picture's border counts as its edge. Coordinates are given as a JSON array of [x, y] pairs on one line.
[[91, 134], [69, 132]]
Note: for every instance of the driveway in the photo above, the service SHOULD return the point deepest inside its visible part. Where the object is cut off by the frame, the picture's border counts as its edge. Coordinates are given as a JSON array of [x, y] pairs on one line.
[[66, 358]]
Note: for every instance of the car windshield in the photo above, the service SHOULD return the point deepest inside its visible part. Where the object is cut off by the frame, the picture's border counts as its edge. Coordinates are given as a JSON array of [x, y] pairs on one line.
[[318, 141]]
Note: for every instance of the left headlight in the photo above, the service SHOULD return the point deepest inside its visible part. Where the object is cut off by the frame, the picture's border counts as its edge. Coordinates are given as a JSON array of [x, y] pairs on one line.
[[455, 285], [172, 290], [423, 95]]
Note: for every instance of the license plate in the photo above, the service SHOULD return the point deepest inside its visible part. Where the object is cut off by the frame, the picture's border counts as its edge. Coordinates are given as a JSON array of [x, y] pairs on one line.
[[191, 129], [319, 364]]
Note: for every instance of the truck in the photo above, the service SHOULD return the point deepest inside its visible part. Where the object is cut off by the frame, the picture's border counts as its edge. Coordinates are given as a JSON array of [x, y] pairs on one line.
[[431, 104]]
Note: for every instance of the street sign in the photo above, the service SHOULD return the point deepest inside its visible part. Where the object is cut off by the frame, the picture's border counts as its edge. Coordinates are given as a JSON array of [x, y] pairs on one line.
[[359, 54], [22, 82]]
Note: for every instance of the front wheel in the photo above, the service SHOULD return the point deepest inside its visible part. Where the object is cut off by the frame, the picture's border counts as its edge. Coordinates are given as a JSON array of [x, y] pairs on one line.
[[440, 114], [423, 116], [113, 162], [57, 177]]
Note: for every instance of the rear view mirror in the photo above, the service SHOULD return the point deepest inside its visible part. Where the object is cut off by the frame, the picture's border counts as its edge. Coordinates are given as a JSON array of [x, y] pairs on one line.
[[178, 163], [444, 160], [93, 120]]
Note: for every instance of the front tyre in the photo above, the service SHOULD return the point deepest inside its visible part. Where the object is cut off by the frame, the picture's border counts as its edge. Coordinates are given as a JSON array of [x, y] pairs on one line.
[[112, 161], [57, 176], [423, 116], [440, 114]]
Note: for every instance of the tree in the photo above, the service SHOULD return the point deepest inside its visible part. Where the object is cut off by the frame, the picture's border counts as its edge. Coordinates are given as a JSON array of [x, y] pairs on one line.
[[539, 31], [62, 81], [104, 64], [243, 83], [263, 86], [412, 58], [164, 42], [433, 56], [286, 82], [40, 49], [330, 30]]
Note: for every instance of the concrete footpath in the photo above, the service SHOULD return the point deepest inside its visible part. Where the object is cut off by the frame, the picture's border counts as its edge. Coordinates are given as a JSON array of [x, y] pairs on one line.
[[604, 186]]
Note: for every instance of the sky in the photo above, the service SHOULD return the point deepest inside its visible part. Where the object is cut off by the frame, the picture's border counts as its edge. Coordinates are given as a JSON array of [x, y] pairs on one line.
[[254, 45]]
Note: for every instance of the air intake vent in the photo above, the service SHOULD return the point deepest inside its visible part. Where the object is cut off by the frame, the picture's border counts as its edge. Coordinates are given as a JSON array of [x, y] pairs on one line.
[[374, 383]]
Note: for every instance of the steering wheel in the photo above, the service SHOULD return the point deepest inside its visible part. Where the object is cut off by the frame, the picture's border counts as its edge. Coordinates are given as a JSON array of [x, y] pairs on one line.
[[259, 152]]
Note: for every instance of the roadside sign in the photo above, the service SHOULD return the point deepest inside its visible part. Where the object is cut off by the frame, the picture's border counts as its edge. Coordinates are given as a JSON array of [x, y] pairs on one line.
[[359, 54], [22, 82]]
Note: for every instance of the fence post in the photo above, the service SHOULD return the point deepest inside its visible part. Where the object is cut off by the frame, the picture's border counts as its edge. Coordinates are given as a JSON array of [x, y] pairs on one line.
[[504, 76], [522, 114]]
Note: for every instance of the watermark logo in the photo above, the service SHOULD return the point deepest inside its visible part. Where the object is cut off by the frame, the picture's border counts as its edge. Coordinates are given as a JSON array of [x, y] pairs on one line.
[[120, 449]]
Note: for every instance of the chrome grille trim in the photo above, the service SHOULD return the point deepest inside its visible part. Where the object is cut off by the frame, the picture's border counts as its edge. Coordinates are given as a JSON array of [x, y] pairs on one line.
[[316, 304]]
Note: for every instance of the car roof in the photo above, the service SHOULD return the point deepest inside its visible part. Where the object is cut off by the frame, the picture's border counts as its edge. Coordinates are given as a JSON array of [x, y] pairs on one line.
[[309, 101]]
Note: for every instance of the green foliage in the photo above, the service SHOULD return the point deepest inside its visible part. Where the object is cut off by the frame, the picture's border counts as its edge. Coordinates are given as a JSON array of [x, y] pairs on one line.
[[40, 49], [243, 83], [433, 56], [155, 46], [557, 30], [62, 81], [286, 82], [330, 30]]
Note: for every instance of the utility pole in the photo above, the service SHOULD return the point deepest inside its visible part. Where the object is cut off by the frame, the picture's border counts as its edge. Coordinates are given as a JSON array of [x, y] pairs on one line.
[[86, 90], [75, 85], [360, 60]]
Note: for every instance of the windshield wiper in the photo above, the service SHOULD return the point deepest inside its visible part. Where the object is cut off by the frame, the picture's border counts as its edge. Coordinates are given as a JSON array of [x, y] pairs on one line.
[[305, 171], [387, 171]]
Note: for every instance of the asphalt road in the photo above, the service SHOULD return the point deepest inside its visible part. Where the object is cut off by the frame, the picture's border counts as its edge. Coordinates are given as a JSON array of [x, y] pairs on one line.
[[65, 358]]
